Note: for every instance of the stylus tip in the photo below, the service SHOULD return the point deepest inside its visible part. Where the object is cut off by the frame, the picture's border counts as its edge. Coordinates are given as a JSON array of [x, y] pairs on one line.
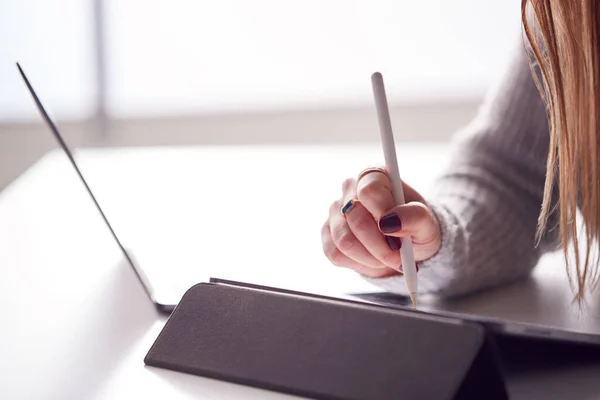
[[413, 297]]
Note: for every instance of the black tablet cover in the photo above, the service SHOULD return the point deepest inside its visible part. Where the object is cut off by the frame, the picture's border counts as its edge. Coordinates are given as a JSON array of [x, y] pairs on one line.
[[325, 348]]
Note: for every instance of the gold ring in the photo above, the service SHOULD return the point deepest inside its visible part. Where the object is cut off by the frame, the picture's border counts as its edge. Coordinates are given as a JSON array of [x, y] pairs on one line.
[[346, 208], [367, 171]]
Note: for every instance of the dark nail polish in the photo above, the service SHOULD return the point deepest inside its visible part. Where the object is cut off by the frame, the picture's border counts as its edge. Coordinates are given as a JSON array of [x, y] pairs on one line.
[[390, 223], [394, 242]]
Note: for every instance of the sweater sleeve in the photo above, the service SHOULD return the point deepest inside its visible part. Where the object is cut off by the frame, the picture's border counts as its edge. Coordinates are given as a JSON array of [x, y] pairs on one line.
[[489, 198]]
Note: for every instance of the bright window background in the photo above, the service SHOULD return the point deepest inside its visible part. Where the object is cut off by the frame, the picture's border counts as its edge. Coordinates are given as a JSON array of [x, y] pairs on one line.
[[189, 56], [205, 57], [52, 39]]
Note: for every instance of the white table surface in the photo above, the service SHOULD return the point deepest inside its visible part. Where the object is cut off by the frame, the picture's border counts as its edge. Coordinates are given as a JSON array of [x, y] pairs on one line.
[[76, 323]]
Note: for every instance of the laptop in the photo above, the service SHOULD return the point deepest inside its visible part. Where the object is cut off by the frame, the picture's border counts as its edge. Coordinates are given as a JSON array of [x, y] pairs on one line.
[[163, 304], [165, 300]]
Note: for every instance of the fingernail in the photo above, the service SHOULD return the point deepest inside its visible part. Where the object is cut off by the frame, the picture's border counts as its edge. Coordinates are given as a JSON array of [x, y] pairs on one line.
[[394, 242], [390, 223]]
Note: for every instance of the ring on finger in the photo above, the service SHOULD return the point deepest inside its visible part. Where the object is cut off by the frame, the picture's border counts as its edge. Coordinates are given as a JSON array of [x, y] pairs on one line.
[[367, 171], [346, 208]]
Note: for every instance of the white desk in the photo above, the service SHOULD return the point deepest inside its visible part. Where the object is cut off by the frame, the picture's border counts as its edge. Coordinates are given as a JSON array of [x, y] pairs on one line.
[[76, 323]]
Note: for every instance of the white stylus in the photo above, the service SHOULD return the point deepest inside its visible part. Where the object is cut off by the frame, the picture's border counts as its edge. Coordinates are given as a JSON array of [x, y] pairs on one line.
[[391, 164]]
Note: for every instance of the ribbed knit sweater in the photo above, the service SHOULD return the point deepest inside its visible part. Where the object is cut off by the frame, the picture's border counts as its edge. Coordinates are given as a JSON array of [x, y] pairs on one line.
[[489, 197]]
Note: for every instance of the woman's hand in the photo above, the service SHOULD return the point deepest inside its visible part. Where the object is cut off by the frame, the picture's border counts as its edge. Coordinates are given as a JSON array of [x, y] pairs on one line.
[[367, 238]]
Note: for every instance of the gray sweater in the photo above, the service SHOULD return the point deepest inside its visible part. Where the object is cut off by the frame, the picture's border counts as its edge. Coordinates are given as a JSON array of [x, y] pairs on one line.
[[489, 198]]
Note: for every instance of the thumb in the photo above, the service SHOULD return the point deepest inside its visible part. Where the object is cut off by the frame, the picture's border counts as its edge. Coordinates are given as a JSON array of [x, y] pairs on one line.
[[413, 219]]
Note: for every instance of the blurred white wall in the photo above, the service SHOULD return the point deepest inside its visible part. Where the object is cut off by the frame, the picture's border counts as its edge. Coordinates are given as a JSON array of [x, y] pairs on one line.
[[229, 71], [189, 56], [206, 57]]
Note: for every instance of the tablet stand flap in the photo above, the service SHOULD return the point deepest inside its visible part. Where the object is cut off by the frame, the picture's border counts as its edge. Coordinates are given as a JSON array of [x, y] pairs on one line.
[[326, 349]]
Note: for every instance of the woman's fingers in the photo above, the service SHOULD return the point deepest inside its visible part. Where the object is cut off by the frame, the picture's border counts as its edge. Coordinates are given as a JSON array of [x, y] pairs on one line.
[[413, 219], [374, 191], [346, 241], [338, 258], [365, 229], [367, 238]]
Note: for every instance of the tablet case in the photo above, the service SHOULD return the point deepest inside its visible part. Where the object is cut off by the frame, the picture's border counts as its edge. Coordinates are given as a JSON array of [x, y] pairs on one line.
[[325, 348]]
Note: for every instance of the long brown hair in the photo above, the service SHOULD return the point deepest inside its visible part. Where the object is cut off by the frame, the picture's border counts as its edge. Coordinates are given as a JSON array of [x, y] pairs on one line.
[[564, 38]]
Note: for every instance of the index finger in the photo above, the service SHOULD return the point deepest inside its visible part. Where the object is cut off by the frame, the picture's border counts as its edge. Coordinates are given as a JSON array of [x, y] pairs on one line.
[[374, 191]]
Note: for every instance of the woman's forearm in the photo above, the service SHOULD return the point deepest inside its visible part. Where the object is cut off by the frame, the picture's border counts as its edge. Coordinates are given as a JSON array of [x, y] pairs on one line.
[[488, 199]]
